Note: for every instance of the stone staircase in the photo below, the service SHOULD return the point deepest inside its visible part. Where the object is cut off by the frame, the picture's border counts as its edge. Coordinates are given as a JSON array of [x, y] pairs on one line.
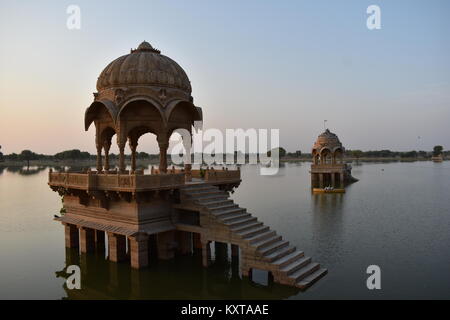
[[261, 248]]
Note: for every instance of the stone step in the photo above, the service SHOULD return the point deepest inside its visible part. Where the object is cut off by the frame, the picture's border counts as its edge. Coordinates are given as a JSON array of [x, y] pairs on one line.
[[218, 203], [194, 186], [252, 232], [240, 221], [205, 192], [302, 273], [267, 241], [197, 188], [273, 247], [222, 207], [247, 226], [279, 253], [286, 260], [235, 216], [296, 265], [224, 213], [312, 278], [258, 237], [210, 198]]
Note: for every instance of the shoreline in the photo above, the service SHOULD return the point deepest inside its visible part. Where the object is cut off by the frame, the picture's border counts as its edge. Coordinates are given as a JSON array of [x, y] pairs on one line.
[[147, 162]]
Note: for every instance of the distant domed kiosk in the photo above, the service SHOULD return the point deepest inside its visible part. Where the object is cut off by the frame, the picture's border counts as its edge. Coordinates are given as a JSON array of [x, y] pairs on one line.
[[166, 212], [328, 168]]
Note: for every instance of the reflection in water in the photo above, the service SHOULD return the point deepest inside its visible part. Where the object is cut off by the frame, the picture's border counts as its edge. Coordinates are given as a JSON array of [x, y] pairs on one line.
[[328, 221], [181, 278], [397, 216], [23, 170]]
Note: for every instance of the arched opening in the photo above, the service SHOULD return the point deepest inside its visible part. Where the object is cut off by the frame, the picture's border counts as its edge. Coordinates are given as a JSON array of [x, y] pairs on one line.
[[325, 156], [103, 114], [316, 157], [181, 118], [106, 138], [338, 156], [136, 118]]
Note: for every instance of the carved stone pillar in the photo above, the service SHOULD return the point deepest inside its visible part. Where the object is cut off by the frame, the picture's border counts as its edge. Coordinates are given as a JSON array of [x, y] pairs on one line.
[[187, 144], [320, 180], [99, 158], [163, 143], [106, 147], [333, 179], [133, 146], [121, 157], [341, 177], [188, 172]]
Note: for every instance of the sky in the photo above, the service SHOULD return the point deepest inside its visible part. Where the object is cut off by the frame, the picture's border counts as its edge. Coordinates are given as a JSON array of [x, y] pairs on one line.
[[287, 65]]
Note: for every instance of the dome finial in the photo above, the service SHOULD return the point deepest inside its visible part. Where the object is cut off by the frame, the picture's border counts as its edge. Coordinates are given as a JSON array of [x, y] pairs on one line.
[[145, 46]]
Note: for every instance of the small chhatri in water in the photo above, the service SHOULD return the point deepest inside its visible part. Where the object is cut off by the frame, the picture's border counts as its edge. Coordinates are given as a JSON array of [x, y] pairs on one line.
[[329, 172]]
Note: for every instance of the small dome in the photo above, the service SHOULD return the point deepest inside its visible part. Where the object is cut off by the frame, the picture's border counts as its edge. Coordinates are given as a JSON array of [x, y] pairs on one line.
[[327, 139], [144, 66]]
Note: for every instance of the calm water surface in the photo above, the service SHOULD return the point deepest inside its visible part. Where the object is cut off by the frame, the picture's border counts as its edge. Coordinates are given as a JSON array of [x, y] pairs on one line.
[[397, 216]]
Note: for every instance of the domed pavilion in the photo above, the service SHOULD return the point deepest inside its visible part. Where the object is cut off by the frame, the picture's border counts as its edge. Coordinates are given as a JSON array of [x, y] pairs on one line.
[[328, 168], [138, 93]]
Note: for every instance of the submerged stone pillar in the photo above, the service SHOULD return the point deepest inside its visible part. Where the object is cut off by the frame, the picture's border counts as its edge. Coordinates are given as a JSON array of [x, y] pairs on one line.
[[206, 253], [333, 179], [165, 244], [234, 250], [196, 241], [99, 239], [320, 180], [71, 236], [139, 250], [184, 242], [341, 177], [87, 240], [116, 247]]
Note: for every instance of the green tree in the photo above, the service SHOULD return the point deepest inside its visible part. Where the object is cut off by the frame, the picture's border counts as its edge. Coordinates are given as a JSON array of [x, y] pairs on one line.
[[437, 150], [357, 153], [298, 153], [281, 152], [27, 155]]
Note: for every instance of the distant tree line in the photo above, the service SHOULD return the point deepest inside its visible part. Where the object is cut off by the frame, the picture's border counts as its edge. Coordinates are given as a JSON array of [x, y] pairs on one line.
[[75, 154]]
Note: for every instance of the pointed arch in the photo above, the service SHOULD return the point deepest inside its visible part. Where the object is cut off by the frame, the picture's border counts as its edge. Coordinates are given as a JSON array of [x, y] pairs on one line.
[[101, 110]]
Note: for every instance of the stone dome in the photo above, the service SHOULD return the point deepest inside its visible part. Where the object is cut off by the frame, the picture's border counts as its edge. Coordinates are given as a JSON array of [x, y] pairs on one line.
[[144, 66], [327, 139]]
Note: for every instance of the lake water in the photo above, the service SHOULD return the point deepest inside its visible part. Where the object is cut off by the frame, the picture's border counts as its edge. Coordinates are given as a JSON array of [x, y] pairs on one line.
[[397, 217]]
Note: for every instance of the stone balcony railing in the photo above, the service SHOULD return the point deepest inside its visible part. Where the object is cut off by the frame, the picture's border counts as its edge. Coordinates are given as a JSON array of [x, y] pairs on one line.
[[116, 182], [215, 175], [175, 178], [329, 166]]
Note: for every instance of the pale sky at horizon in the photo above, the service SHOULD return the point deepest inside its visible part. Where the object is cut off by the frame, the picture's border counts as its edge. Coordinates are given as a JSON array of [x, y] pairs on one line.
[[252, 64]]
